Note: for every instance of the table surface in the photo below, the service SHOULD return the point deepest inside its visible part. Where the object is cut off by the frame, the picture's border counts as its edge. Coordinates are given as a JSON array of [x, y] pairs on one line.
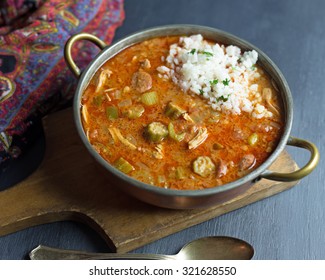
[[290, 225]]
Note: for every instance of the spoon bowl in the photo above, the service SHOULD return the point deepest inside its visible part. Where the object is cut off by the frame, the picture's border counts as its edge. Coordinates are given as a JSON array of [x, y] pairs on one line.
[[216, 248], [206, 248]]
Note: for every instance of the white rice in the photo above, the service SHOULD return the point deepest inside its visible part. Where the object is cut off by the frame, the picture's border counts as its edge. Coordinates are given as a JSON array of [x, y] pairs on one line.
[[224, 76]]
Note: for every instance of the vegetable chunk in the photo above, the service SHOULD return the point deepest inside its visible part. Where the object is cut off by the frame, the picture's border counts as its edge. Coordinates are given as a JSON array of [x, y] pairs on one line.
[[111, 112], [156, 132], [178, 137], [134, 112], [123, 165], [204, 166], [252, 139], [149, 98], [173, 111]]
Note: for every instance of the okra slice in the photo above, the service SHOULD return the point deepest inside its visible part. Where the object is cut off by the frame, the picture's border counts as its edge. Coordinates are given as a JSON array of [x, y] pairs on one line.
[[155, 132], [204, 166], [173, 111]]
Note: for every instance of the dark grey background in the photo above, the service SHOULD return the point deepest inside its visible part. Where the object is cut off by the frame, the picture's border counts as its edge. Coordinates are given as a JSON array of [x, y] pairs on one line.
[[290, 225]]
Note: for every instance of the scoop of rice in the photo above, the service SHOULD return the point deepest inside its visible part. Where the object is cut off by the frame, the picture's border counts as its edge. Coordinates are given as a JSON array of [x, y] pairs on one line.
[[224, 76]]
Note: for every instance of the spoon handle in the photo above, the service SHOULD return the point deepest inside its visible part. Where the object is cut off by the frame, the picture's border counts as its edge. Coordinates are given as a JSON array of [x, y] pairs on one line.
[[47, 253]]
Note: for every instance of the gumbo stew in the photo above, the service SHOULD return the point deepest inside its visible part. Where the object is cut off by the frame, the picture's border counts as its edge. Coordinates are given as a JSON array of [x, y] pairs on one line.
[[182, 112]]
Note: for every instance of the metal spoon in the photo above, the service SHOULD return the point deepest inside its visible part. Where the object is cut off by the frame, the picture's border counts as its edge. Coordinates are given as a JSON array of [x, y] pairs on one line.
[[207, 248]]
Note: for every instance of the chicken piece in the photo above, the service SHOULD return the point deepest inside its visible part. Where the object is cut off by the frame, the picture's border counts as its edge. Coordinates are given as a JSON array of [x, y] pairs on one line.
[[85, 114], [187, 117], [199, 138], [267, 95], [141, 81], [117, 136], [103, 77], [158, 153], [145, 64]]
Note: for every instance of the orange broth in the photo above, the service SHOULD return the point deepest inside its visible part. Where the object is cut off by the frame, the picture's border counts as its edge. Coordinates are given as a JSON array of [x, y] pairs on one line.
[[169, 163]]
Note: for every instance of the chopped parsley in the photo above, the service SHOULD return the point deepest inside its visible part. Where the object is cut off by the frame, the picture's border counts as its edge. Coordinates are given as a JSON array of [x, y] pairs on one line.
[[206, 53], [222, 98], [209, 54], [214, 82], [192, 51], [226, 82], [201, 91], [253, 67]]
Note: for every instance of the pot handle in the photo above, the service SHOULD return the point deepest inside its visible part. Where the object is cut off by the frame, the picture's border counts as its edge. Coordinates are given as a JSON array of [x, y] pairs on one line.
[[300, 173], [68, 46]]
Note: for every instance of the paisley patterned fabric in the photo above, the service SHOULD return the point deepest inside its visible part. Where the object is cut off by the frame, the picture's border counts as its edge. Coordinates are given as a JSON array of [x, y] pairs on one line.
[[34, 79]]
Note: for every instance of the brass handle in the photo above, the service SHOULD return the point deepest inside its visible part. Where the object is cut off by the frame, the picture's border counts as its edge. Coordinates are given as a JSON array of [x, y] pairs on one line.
[[300, 173], [68, 46]]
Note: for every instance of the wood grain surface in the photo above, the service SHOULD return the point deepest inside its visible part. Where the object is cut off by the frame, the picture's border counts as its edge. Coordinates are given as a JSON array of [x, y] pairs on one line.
[[69, 186]]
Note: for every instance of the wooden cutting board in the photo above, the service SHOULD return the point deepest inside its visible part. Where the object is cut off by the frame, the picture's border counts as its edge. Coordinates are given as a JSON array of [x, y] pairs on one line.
[[67, 186]]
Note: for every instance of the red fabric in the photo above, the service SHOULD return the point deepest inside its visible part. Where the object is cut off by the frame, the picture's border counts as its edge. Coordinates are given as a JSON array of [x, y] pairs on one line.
[[34, 78]]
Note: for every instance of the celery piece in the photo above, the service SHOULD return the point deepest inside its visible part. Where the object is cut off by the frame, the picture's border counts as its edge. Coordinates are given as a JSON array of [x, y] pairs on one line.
[[161, 180], [149, 98], [111, 112], [125, 103], [123, 165], [144, 176], [180, 173], [252, 139], [99, 147], [98, 100], [135, 112], [178, 137], [217, 146]]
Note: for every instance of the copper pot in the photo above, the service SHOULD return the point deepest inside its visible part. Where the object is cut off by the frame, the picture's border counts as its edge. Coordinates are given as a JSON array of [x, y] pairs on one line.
[[180, 199]]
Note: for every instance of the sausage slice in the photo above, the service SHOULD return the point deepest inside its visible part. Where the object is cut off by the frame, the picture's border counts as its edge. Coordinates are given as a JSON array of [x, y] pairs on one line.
[[247, 162], [141, 81]]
